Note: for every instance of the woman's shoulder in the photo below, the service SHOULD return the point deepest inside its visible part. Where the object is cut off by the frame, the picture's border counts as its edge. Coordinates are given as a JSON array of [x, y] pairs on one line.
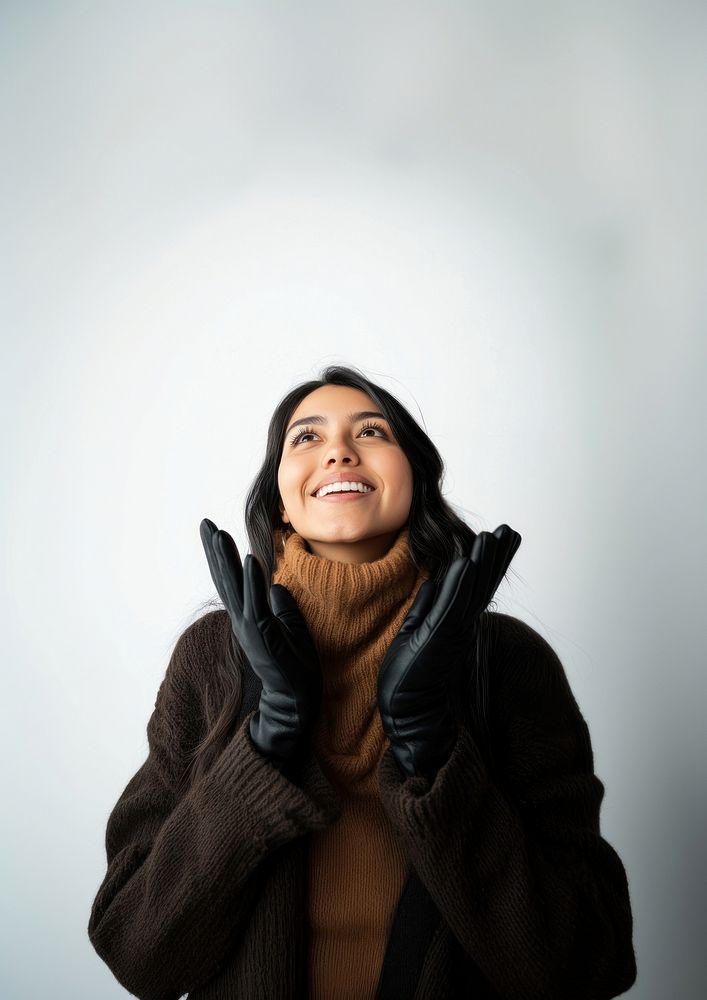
[[520, 657], [200, 644], [207, 633], [511, 635]]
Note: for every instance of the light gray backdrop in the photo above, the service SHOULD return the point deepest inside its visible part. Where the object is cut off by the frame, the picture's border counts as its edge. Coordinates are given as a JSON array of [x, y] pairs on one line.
[[498, 211]]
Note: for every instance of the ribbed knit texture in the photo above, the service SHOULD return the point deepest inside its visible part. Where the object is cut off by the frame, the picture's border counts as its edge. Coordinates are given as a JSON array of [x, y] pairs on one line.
[[356, 868]]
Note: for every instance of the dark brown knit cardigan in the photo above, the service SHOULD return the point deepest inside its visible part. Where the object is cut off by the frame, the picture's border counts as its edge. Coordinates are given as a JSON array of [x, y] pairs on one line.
[[513, 892]]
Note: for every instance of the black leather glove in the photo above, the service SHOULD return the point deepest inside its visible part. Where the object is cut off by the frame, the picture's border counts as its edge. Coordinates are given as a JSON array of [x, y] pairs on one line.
[[426, 660], [278, 646]]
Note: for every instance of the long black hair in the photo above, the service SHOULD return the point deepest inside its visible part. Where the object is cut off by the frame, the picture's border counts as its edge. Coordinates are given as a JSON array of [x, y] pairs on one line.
[[437, 536]]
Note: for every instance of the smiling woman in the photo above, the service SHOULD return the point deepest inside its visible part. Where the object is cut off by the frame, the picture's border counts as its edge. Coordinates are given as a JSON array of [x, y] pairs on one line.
[[361, 781], [350, 527]]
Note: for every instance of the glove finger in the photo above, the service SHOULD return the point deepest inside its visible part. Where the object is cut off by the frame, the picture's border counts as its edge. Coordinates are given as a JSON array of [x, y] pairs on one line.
[[487, 557], [491, 555], [229, 562], [508, 543], [294, 627], [282, 602], [420, 607], [255, 601], [207, 530], [514, 544], [257, 610], [450, 609]]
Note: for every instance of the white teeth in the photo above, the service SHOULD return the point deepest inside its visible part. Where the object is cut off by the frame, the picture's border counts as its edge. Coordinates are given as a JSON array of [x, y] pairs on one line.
[[338, 487]]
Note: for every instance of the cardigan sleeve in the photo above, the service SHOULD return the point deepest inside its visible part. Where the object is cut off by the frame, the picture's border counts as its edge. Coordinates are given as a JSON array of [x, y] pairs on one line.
[[518, 867], [182, 868]]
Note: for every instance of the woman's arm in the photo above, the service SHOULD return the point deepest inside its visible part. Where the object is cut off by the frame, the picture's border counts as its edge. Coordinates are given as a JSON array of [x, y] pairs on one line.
[[521, 874], [181, 875]]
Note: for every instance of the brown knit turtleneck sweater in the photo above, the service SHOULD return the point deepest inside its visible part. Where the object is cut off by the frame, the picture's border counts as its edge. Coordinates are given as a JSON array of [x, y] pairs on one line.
[[356, 868]]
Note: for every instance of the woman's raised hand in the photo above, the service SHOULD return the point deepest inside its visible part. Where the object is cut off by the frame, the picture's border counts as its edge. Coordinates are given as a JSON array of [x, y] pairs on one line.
[[277, 644], [428, 657]]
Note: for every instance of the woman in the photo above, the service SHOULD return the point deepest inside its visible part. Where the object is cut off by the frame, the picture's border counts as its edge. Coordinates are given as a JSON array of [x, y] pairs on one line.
[[371, 785]]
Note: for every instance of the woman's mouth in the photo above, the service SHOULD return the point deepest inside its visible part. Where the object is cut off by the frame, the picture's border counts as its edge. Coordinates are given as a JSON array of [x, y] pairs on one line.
[[344, 497]]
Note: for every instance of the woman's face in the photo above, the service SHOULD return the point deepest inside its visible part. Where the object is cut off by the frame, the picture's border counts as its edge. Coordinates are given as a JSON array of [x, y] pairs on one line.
[[363, 526]]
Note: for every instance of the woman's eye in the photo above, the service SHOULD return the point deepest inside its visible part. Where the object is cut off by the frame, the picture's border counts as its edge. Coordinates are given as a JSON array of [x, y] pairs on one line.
[[298, 438]]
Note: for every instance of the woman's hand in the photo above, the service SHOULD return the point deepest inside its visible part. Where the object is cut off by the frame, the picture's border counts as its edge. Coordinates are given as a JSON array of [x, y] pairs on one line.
[[432, 647], [277, 644]]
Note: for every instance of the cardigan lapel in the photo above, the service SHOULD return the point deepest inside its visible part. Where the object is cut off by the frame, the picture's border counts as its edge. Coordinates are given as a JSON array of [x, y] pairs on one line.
[[416, 922]]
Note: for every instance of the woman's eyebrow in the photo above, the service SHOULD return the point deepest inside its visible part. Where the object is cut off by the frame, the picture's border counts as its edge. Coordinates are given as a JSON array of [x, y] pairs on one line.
[[319, 419]]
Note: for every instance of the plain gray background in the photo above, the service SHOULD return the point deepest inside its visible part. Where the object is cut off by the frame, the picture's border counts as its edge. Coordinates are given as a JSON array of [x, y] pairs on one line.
[[497, 211]]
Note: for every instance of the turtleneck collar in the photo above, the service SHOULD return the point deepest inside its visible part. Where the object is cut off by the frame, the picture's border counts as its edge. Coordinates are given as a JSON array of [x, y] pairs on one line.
[[348, 604], [353, 612]]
